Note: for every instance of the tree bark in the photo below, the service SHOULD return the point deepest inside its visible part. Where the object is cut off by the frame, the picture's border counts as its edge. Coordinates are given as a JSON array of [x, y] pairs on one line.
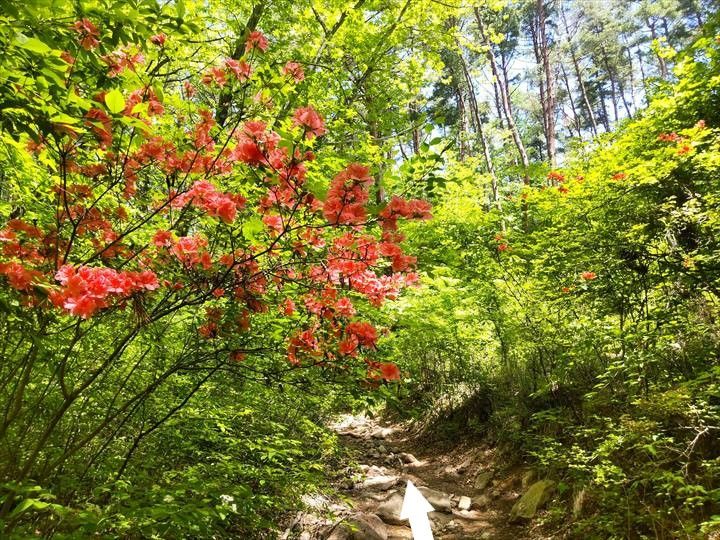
[[495, 195], [578, 75], [550, 98], [661, 60], [576, 117], [504, 98]]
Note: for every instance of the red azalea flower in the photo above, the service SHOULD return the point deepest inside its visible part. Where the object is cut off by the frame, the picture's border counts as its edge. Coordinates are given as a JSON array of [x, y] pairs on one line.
[[240, 69], [163, 238], [294, 71], [256, 40], [89, 34], [390, 371], [158, 39], [311, 121]]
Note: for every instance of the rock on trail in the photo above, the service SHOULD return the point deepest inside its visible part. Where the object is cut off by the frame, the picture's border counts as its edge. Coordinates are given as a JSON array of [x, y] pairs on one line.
[[469, 499]]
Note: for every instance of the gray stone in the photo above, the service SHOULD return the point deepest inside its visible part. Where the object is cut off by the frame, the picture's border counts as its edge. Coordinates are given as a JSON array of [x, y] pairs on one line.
[[366, 527], [473, 515], [464, 466], [483, 479], [440, 501], [399, 533], [439, 519], [360, 526], [406, 457], [347, 483], [481, 501], [465, 503], [382, 433], [382, 496], [534, 498], [415, 465], [389, 509], [338, 532], [382, 483]]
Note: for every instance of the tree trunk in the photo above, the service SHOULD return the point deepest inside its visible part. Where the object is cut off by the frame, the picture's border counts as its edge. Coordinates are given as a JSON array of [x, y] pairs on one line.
[[413, 113], [498, 106], [642, 73], [611, 75], [541, 81], [632, 75], [578, 75], [504, 98], [549, 104], [661, 60], [603, 109], [576, 117], [462, 115], [495, 195], [622, 96]]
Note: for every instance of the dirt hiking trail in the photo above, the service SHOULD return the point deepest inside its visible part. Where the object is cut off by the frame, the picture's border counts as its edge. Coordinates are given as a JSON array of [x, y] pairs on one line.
[[473, 497]]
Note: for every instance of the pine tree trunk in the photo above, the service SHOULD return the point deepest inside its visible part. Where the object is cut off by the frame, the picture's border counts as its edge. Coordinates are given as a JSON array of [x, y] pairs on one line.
[[661, 60], [578, 75], [549, 105], [504, 98], [576, 117], [475, 115], [462, 115]]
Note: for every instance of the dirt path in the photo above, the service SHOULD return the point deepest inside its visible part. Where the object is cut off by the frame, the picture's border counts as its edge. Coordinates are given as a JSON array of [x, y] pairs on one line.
[[473, 497]]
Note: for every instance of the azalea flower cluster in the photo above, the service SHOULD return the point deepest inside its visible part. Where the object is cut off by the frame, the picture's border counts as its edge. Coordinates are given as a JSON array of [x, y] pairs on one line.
[[85, 290], [309, 119], [206, 197], [347, 196], [683, 144], [556, 176], [191, 251], [403, 208], [252, 264], [88, 34], [124, 58], [294, 71], [19, 277], [236, 68], [18, 240]]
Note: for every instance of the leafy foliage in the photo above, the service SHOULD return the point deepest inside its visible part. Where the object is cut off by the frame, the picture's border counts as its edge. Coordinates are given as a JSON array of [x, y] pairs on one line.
[[581, 319]]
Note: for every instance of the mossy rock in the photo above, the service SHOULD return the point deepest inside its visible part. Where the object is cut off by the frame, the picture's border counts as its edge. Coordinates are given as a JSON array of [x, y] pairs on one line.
[[535, 497]]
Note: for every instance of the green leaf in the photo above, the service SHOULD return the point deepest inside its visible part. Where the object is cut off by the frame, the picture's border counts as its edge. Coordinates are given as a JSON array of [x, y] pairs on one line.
[[115, 101], [63, 118], [251, 228], [32, 44]]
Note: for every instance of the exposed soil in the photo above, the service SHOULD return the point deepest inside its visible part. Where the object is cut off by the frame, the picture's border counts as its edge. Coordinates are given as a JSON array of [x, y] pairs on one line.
[[385, 457]]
